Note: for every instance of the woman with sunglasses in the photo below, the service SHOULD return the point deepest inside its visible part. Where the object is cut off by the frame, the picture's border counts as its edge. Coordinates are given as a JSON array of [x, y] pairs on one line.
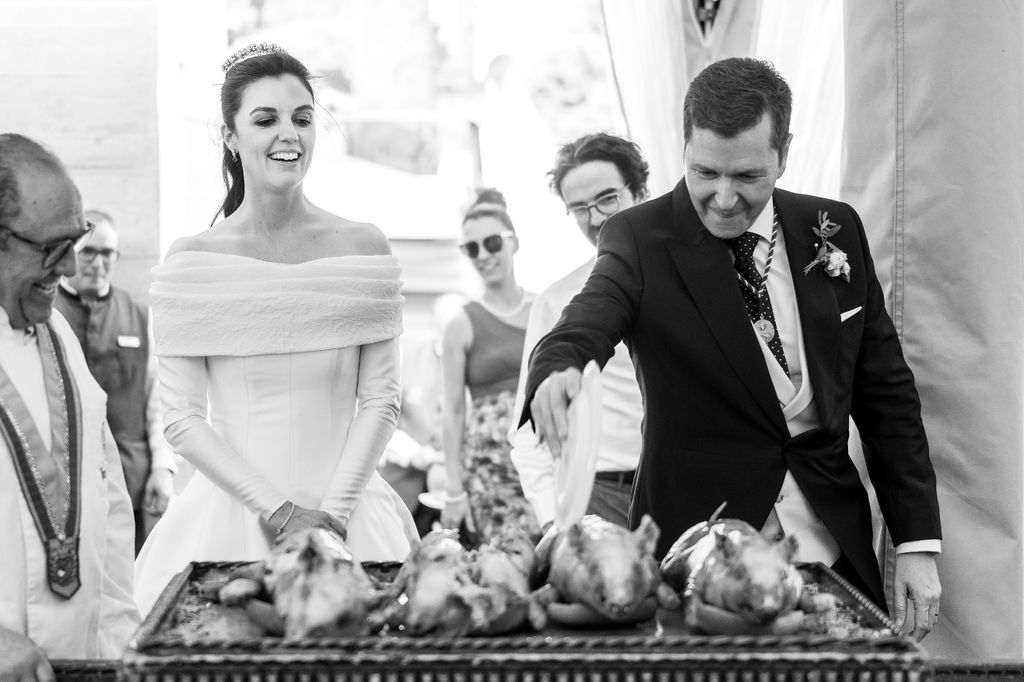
[[481, 351]]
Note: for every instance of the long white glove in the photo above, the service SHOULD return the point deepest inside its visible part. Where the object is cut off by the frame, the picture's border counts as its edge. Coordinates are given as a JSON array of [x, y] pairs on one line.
[[378, 392], [183, 392]]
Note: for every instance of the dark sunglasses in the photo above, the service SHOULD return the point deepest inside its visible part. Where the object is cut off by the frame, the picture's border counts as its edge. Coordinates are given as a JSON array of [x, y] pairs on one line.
[[492, 243], [55, 250]]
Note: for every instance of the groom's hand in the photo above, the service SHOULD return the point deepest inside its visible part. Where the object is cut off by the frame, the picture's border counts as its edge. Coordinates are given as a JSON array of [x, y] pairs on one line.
[[916, 595], [550, 407]]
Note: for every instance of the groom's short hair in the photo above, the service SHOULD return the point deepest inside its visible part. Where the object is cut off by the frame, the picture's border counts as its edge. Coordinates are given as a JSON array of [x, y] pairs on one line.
[[732, 95]]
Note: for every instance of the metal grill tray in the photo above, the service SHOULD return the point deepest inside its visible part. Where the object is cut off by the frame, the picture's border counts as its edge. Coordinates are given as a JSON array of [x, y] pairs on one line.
[[630, 654]]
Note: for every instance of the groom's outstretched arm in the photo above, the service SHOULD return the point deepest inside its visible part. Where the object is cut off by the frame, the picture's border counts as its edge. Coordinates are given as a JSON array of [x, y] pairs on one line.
[[590, 327]]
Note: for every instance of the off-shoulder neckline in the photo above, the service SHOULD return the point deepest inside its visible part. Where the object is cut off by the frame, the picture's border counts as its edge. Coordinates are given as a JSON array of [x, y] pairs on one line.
[[197, 252]]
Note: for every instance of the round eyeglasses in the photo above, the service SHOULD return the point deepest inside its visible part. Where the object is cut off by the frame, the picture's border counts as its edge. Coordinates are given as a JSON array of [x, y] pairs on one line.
[[54, 251], [606, 205], [492, 243]]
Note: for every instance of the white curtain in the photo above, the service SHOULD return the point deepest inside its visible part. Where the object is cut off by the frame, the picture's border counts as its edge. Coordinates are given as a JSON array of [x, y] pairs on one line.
[[934, 163], [656, 48], [804, 39]]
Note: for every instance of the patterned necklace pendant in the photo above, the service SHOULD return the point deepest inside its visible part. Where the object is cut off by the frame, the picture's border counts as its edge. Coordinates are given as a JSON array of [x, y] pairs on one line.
[[62, 566], [765, 329]]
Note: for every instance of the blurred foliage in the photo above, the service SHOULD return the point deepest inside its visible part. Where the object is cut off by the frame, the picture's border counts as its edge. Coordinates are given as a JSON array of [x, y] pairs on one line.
[[570, 80], [401, 75], [411, 147]]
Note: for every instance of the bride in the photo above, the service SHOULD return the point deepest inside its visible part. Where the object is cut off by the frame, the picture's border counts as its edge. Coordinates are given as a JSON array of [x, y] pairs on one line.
[[280, 322]]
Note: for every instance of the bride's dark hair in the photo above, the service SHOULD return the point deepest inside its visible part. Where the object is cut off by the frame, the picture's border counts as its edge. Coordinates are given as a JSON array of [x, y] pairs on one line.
[[242, 69]]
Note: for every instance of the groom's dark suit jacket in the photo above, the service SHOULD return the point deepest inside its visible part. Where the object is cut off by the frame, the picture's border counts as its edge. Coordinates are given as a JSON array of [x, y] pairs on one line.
[[713, 428]]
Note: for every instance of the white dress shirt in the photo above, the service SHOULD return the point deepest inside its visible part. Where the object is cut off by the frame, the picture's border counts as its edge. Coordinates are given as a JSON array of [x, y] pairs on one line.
[[19, 353], [621, 404], [792, 513]]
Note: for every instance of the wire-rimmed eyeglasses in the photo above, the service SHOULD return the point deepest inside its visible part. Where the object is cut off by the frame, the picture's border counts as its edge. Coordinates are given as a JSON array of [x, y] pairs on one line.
[[492, 243], [606, 205], [54, 251]]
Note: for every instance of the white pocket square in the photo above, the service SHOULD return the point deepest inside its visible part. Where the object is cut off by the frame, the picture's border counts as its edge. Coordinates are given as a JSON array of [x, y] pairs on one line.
[[843, 317]]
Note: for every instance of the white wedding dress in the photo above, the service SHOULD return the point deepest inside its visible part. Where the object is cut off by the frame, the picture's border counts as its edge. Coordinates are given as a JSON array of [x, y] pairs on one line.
[[306, 424]]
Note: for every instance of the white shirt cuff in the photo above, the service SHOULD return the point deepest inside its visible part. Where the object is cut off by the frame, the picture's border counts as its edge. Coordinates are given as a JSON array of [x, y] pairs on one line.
[[933, 546]]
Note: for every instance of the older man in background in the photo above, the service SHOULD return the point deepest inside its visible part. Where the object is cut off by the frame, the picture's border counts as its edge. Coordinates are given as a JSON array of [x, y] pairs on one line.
[[67, 570], [115, 335]]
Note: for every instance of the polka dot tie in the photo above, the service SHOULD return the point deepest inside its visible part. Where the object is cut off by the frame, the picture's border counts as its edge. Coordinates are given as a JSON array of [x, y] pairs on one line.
[[754, 289]]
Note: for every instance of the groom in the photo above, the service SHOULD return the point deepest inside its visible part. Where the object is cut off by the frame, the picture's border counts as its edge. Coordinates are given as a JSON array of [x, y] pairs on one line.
[[757, 328]]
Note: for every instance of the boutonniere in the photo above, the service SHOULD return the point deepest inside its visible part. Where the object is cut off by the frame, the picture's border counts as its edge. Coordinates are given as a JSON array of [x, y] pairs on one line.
[[830, 257]]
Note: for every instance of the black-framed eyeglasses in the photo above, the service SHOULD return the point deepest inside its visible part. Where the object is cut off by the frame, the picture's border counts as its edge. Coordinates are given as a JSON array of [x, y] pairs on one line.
[[606, 205], [87, 254], [493, 243], [55, 250]]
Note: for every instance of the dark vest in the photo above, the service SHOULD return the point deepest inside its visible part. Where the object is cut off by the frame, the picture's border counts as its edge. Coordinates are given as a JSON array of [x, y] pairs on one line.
[[114, 333]]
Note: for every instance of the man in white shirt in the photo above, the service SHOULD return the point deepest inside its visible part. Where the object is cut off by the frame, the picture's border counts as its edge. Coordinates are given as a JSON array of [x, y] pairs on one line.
[[758, 328], [596, 176], [67, 572]]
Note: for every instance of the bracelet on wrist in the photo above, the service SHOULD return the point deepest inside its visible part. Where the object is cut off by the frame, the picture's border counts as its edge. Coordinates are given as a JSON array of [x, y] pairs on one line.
[[454, 499], [280, 529], [271, 514]]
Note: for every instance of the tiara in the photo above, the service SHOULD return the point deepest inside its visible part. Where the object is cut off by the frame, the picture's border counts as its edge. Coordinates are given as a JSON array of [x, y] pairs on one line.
[[249, 51]]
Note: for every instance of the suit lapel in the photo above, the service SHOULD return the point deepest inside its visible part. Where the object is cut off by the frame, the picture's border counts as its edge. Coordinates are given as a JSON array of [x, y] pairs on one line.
[[705, 265], [819, 310]]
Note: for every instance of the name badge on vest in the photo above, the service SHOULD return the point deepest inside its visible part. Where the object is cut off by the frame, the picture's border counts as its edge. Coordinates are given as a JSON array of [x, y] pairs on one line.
[[129, 342]]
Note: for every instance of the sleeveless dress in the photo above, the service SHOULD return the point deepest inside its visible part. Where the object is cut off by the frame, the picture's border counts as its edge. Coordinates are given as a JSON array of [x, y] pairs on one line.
[[490, 479], [299, 366]]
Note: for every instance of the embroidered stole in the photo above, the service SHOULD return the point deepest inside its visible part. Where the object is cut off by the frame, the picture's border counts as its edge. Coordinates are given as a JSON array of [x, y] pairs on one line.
[[50, 481]]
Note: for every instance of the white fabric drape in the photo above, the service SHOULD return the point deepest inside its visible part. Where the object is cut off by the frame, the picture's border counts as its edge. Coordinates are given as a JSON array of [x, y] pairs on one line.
[[804, 39], [656, 48], [934, 163]]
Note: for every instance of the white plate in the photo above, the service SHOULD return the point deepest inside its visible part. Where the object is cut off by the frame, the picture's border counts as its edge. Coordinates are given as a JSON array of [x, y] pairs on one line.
[[574, 470], [432, 500]]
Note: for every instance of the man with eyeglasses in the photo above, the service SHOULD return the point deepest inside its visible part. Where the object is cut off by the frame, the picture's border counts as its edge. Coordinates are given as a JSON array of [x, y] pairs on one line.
[[596, 176], [114, 332], [67, 566]]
